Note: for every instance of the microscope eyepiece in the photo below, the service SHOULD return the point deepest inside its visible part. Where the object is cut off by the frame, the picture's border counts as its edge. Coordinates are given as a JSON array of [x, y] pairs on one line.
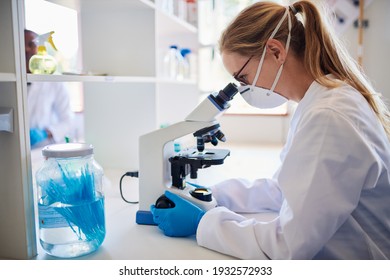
[[230, 91], [223, 97]]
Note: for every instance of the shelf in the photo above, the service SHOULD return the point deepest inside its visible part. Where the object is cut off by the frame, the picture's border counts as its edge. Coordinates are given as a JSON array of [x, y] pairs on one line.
[[132, 4], [125, 4], [7, 77], [179, 82], [171, 24], [114, 5], [86, 78], [113, 79], [179, 23], [148, 3]]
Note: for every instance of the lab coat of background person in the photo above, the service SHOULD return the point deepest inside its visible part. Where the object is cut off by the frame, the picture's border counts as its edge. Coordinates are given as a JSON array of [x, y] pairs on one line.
[[50, 114], [331, 194]]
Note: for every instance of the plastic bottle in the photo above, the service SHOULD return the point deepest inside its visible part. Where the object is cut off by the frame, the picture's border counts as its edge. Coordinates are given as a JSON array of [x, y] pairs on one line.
[[70, 201], [171, 63], [192, 61], [186, 63], [181, 64], [192, 12], [42, 62], [182, 9]]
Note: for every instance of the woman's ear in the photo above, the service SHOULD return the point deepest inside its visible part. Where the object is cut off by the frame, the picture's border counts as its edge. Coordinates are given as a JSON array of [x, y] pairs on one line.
[[277, 50]]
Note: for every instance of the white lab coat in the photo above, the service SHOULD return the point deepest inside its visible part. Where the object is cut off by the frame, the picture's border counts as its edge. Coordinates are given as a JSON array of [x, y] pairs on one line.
[[331, 194], [49, 108]]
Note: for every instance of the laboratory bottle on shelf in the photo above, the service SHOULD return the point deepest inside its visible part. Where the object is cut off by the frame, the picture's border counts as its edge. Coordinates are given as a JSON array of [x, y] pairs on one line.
[[192, 12], [181, 66], [70, 201], [171, 63], [182, 9], [186, 67], [191, 60]]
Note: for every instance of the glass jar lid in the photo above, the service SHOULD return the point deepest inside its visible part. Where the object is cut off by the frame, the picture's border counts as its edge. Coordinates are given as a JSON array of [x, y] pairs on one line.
[[67, 150]]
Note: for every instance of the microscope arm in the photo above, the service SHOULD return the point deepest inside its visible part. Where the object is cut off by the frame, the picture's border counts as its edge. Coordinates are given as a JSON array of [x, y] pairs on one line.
[[155, 149]]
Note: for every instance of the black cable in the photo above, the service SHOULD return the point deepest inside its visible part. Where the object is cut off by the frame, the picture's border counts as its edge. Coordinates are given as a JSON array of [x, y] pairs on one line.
[[131, 174]]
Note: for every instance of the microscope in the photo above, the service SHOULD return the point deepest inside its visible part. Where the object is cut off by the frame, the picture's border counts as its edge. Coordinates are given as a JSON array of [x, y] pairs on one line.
[[161, 168]]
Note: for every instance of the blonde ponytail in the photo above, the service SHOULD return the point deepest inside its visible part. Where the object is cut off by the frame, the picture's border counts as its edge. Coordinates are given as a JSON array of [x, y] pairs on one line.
[[325, 54]]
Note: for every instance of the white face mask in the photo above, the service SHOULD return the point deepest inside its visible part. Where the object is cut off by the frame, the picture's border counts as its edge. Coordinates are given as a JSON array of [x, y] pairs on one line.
[[266, 98]]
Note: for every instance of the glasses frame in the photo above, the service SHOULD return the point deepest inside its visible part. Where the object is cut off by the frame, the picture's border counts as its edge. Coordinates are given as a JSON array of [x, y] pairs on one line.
[[236, 76]]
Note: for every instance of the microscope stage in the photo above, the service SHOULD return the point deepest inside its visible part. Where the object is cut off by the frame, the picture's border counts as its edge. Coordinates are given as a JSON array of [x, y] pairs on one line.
[[211, 156]]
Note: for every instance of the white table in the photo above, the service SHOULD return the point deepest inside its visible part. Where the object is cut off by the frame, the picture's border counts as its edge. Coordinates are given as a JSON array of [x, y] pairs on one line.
[[126, 240]]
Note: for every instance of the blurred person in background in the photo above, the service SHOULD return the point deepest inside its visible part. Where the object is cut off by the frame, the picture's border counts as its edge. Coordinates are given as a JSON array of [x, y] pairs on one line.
[[49, 110]]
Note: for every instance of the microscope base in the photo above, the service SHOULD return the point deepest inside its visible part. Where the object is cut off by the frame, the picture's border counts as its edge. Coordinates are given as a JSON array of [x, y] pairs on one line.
[[144, 217]]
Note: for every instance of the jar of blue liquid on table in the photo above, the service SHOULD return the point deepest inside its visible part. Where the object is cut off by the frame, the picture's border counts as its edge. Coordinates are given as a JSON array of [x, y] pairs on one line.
[[70, 201]]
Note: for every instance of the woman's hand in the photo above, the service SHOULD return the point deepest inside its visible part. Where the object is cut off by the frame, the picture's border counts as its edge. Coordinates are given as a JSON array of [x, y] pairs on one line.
[[179, 221]]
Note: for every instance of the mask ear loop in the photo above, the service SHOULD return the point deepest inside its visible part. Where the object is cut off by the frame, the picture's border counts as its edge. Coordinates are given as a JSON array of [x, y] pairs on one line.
[[287, 47], [265, 47], [259, 68]]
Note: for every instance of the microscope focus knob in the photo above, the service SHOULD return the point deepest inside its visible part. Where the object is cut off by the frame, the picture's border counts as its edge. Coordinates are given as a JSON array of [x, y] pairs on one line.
[[164, 202], [202, 194]]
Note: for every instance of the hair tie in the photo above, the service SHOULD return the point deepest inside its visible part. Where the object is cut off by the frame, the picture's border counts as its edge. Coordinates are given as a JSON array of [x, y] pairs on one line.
[[292, 8]]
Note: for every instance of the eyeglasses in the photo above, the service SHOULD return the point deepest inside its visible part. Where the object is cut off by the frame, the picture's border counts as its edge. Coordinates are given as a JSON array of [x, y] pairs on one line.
[[237, 75]]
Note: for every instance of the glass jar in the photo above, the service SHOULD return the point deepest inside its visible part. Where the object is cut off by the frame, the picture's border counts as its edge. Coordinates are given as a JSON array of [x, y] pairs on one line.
[[70, 201]]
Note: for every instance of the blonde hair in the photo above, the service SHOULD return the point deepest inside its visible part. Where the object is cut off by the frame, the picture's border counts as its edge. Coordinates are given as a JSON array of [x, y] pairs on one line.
[[311, 40]]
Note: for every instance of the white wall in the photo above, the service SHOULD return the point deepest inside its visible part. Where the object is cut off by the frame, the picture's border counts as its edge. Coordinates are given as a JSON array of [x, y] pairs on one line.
[[255, 129], [376, 44], [376, 58]]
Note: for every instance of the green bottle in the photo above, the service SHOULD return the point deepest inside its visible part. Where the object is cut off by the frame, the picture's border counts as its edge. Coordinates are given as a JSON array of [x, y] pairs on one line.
[[42, 62]]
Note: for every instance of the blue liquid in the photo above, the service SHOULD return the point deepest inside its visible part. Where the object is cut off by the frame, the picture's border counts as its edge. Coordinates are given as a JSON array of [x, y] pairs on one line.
[[69, 231]]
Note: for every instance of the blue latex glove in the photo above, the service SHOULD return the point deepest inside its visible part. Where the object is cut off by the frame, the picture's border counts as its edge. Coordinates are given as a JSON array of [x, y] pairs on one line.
[[37, 135], [181, 220]]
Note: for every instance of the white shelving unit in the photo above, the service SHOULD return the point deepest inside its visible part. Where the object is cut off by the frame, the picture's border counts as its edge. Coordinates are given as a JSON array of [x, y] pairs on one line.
[[104, 79], [17, 231], [125, 39], [82, 78]]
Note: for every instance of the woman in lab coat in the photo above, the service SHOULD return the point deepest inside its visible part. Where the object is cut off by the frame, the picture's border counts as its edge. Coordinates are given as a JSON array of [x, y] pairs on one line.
[[331, 194]]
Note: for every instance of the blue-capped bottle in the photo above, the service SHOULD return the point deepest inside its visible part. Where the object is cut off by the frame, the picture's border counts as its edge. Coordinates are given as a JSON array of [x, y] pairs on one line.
[[70, 201], [186, 67]]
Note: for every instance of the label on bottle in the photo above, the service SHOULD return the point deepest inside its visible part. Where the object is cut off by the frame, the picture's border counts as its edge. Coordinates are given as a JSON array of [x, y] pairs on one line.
[[49, 217]]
